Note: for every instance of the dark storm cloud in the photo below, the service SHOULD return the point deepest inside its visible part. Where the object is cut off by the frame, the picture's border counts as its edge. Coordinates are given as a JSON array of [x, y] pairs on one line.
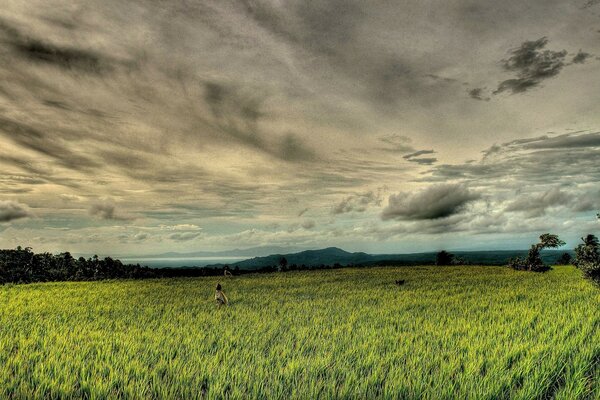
[[11, 210], [532, 64], [437, 201], [39, 51]]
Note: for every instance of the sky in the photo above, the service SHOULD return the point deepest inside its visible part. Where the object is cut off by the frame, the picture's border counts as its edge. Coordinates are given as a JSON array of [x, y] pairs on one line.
[[141, 127]]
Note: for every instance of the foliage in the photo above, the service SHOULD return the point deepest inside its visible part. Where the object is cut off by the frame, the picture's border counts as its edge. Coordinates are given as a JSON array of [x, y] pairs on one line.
[[587, 258], [462, 333], [22, 265], [565, 259], [283, 263], [444, 258], [533, 261]]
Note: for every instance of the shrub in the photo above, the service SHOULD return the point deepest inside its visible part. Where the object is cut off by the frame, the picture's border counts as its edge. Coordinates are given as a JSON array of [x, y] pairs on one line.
[[533, 261], [587, 258], [444, 258], [565, 259]]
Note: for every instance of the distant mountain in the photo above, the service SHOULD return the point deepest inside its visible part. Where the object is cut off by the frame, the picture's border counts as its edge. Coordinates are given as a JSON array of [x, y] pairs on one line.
[[251, 252], [328, 256], [333, 255]]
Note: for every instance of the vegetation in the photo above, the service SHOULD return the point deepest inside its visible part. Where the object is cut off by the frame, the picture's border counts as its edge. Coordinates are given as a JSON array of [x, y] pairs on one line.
[[587, 258], [533, 260], [457, 333], [565, 259], [444, 258], [22, 265]]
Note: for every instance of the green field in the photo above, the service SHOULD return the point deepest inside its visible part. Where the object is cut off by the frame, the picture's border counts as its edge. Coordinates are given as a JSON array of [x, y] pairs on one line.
[[449, 332]]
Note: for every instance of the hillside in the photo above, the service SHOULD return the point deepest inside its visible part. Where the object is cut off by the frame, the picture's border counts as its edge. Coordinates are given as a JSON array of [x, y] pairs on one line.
[[334, 255]]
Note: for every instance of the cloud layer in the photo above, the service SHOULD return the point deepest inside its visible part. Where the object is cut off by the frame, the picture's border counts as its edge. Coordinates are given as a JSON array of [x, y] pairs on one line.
[[290, 122]]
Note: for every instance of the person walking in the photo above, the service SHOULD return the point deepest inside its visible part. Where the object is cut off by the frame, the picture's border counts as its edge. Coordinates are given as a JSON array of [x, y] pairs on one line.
[[220, 297]]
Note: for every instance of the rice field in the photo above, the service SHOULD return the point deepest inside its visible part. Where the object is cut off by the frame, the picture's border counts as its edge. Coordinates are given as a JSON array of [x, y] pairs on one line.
[[447, 333]]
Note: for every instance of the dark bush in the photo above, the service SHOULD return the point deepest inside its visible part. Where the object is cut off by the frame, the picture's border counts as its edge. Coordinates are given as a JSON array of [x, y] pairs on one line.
[[565, 259], [587, 258], [444, 258], [533, 261]]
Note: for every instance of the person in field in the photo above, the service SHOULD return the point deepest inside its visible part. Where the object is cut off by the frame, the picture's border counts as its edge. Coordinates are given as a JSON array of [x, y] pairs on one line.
[[220, 297]]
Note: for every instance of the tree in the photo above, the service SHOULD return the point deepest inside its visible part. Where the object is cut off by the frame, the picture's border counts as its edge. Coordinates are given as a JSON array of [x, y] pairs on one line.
[[533, 261], [444, 258], [565, 259], [283, 264], [587, 258]]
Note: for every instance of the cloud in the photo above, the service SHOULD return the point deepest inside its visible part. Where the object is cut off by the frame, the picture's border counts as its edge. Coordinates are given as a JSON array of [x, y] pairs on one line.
[[141, 236], [591, 3], [309, 224], [536, 205], [477, 94], [39, 141], [413, 157], [36, 50], [587, 201], [533, 161], [418, 153], [293, 149], [180, 227], [106, 209], [436, 201], [184, 236], [238, 113], [359, 202], [12, 210], [532, 64], [580, 57], [396, 143]]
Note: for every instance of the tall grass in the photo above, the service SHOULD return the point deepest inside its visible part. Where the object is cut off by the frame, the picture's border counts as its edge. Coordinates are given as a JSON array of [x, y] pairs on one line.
[[449, 332]]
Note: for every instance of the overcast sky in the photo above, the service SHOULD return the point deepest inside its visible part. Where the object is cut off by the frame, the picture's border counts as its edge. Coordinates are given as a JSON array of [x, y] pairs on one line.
[[136, 127]]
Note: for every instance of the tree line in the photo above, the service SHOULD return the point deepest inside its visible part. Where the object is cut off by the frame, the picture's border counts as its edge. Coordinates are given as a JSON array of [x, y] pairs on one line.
[[22, 265], [587, 257]]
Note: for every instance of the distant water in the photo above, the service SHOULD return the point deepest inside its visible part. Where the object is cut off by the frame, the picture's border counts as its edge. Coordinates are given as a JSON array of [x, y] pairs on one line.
[[174, 262]]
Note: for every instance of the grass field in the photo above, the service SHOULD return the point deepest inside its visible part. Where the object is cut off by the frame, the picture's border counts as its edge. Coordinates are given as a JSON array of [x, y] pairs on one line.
[[449, 332]]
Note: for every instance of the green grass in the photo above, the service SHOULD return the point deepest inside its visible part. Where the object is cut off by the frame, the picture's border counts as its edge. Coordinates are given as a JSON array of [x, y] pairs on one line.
[[449, 332]]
